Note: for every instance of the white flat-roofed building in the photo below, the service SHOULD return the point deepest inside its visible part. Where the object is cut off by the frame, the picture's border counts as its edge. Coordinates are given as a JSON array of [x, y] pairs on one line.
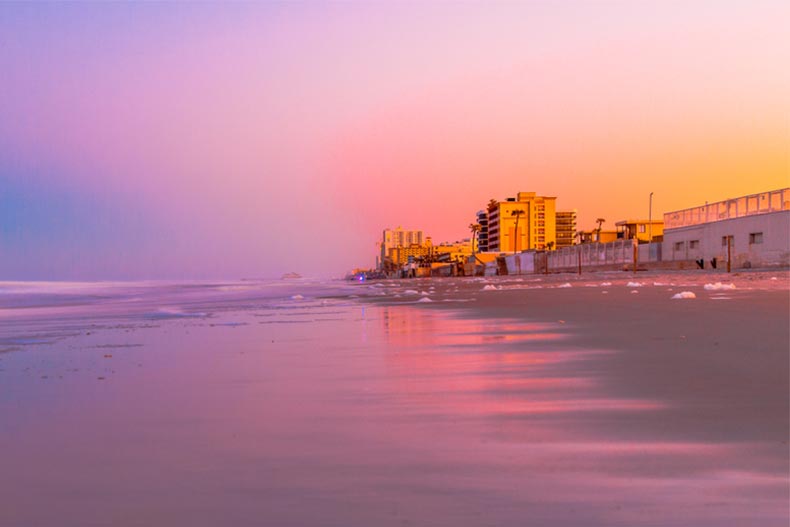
[[753, 230]]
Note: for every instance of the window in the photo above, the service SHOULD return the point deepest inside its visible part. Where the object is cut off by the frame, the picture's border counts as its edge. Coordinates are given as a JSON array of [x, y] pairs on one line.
[[724, 240], [679, 246], [755, 237], [642, 228], [694, 244]]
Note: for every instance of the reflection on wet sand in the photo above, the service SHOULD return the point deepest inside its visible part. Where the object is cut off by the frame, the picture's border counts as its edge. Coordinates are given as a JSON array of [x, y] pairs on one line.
[[491, 367]]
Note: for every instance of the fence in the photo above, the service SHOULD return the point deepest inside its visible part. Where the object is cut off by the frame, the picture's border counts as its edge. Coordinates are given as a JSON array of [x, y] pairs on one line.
[[765, 202], [592, 254]]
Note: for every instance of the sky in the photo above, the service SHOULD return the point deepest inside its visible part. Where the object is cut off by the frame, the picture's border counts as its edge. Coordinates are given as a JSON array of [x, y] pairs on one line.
[[246, 140]]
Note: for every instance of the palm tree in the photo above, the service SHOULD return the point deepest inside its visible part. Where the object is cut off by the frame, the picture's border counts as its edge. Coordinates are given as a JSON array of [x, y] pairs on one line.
[[517, 213], [492, 203], [600, 222], [475, 229]]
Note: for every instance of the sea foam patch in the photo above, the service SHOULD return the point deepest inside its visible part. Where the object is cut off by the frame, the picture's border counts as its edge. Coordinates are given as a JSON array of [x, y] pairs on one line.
[[683, 295], [718, 286]]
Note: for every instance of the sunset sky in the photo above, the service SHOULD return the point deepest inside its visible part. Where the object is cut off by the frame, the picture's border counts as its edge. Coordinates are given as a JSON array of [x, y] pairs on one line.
[[235, 140]]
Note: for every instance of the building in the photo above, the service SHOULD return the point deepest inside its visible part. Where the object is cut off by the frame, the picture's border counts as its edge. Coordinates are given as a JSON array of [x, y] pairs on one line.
[[482, 235], [397, 256], [597, 236], [452, 251], [521, 223], [566, 228], [749, 231], [642, 230], [398, 239]]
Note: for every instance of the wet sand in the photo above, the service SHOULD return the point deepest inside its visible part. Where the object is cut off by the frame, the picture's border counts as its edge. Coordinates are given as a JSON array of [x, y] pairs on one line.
[[532, 404]]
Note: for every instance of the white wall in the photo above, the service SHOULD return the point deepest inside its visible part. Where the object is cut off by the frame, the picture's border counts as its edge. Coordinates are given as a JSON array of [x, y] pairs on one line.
[[527, 262], [772, 252]]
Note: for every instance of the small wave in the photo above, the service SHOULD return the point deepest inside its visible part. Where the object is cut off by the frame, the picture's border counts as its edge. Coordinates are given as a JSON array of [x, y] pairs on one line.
[[166, 313]]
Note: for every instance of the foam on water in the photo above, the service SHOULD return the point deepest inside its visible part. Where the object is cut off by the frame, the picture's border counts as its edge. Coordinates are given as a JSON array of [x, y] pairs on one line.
[[718, 286], [683, 295]]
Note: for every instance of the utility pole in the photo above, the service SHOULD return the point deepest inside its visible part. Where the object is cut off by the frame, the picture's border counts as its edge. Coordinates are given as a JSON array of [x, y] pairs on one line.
[[650, 220]]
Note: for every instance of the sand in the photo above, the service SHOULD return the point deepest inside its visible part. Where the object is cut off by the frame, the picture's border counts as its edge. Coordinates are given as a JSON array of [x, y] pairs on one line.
[[525, 403]]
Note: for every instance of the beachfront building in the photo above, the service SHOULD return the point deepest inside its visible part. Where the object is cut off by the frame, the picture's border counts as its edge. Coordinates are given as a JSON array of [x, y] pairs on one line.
[[596, 236], [565, 222], [397, 245], [453, 251], [397, 256], [400, 238], [482, 235], [749, 231], [521, 223], [642, 230]]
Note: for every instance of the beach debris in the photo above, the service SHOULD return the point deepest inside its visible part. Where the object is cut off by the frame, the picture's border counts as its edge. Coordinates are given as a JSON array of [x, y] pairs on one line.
[[774, 278], [297, 297], [604, 292], [634, 284], [718, 286], [606, 284], [108, 356], [566, 284], [425, 299], [683, 295], [489, 287]]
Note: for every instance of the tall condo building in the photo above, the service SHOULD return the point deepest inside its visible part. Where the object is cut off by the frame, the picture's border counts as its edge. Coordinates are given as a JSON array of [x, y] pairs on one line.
[[525, 222], [482, 235], [400, 238], [566, 228]]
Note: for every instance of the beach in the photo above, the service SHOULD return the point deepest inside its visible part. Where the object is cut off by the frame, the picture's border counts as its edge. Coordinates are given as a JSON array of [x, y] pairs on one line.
[[519, 400]]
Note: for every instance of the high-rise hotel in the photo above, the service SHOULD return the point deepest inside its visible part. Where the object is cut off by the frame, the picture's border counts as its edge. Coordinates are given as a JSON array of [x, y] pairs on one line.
[[527, 221]]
